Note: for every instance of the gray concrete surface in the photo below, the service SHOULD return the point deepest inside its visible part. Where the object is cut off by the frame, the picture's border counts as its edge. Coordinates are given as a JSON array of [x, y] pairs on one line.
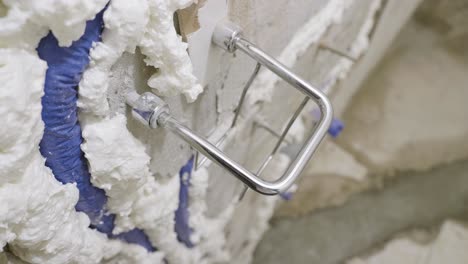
[[421, 199], [420, 67]]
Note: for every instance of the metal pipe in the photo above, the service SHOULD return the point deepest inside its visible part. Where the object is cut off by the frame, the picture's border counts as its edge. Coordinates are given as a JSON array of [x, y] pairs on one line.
[[153, 112], [234, 40], [217, 156]]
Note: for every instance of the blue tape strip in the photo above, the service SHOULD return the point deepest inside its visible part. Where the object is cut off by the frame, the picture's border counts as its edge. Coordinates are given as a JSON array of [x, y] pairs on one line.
[[61, 142], [182, 228]]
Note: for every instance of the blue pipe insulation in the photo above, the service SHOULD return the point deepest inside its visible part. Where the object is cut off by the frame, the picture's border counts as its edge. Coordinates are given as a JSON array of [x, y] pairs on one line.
[[61, 142], [182, 227]]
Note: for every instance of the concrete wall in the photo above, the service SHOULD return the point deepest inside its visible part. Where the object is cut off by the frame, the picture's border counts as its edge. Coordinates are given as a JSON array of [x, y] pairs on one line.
[[341, 167], [296, 32], [403, 134], [343, 25]]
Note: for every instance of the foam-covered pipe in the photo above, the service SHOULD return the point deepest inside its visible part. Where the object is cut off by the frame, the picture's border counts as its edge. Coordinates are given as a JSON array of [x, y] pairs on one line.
[[182, 227], [61, 142]]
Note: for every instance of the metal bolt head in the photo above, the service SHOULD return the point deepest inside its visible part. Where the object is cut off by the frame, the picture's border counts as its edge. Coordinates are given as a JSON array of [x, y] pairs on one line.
[[147, 108]]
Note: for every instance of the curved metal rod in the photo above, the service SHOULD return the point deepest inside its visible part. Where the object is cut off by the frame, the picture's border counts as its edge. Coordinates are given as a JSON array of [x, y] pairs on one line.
[[153, 112], [229, 37]]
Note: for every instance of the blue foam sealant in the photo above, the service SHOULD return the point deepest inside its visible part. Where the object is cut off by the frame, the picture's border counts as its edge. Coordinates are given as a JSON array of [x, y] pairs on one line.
[[182, 227], [61, 142]]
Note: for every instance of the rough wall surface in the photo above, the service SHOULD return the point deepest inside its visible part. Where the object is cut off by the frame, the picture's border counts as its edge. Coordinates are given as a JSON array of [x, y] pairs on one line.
[[325, 184], [389, 127], [403, 129], [139, 169], [446, 245]]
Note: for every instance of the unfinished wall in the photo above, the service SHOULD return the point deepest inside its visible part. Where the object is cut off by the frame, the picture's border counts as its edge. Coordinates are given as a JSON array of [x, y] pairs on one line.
[[399, 131], [404, 143], [326, 184], [138, 171]]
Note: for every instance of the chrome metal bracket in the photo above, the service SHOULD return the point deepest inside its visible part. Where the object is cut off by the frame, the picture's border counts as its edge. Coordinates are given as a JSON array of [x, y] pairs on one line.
[[153, 112]]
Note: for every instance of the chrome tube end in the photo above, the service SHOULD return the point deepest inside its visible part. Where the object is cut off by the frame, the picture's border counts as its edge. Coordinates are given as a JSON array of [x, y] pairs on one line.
[[147, 108], [225, 35]]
